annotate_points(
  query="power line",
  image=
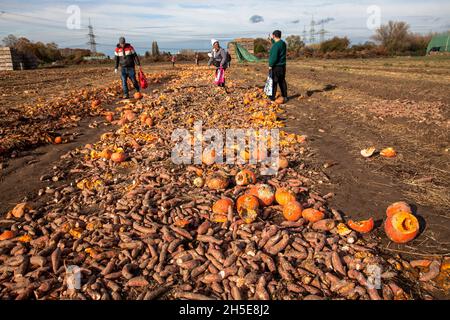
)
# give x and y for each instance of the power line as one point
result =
(91, 36)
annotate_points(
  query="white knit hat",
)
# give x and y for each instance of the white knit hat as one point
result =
(213, 41)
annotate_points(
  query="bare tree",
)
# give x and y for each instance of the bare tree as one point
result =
(393, 36)
(294, 43)
(10, 41)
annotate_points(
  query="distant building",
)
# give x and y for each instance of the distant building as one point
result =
(11, 59)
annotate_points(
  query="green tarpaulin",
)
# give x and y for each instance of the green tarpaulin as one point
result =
(243, 55)
(439, 43)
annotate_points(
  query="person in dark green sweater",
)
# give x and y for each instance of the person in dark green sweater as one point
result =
(277, 65)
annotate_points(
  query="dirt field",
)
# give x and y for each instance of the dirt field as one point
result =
(342, 106)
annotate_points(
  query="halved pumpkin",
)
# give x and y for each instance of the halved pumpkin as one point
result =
(401, 227)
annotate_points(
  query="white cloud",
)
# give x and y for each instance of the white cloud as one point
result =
(174, 21)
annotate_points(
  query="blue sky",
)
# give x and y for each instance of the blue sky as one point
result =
(191, 23)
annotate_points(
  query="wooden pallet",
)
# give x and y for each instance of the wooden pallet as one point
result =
(247, 43)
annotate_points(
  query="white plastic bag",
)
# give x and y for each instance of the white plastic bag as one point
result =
(268, 89)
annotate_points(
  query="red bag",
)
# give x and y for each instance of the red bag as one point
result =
(142, 80)
(220, 77)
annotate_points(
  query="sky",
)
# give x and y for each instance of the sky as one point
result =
(190, 24)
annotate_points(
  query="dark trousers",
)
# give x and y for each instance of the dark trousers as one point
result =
(129, 73)
(279, 79)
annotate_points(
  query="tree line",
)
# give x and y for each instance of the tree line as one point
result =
(393, 38)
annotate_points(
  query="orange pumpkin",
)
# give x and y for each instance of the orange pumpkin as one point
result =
(284, 196)
(118, 157)
(149, 121)
(248, 207)
(401, 227)
(129, 115)
(95, 103)
(109, 116)
(58, 140)
(283, 163)
(312, 215)
(138, 95)
(264, 193)
(106, 154)
(217, 182)
(209, 156)
(222, 206)
(388, 153)
(220, 210)
(6, 235)
(143, 117)
(364, 226)
(399, 206)
(292, 211)
(245, 177)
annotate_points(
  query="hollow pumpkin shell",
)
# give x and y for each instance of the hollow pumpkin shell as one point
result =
(401, 227)
(364, 226)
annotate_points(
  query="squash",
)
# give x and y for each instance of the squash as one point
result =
(106, 154)
(283, 163)
(396, 207)
(245, 177)
(312, 215)
(118, 157)
(388, 153)
(217, 182)
(292, 211)
(284, 196)
(222, 206)
(401, 227)
(264, 193)
(95, 103)
(248, 208)
(109, 116)
(58, 140)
